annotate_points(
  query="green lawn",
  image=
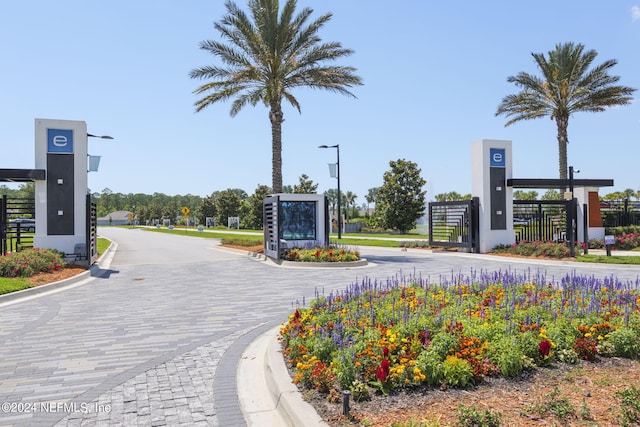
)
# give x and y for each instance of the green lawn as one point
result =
(350, 239)
(12, 285)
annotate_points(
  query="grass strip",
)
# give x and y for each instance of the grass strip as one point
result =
(603, 259)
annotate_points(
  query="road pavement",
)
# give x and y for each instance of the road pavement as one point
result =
(155, 336)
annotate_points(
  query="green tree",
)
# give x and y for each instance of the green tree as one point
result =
(525, 195)
(372, 196)
(208, 208)
(26, 191)
(227, 204)
(266, 56)
(551, 195)
(349, 200)
(567, 86)
(252, 216)
(305, 186)
(451, 196)
(401, 199)
(332, 199)
(629, 193)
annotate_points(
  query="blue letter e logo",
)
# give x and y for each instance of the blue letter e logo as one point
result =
(60, 141)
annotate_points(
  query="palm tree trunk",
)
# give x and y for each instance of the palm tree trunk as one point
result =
(562, 124)
(275, 116)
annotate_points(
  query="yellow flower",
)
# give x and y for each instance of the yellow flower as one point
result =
(543, 333)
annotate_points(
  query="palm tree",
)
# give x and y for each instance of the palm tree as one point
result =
(566, 86)
(372, 196)
(268, 56)
(332, 199)
(349, 199)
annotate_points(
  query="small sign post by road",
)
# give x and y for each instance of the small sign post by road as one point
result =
(608, 242)
(185, 215)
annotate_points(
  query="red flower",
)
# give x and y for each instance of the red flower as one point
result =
(385, 352)
(383, 370)
(544, 348)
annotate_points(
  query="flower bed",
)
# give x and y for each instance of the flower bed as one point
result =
(408, 332)
(331, 253)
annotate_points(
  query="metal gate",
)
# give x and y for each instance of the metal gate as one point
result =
(271, 236)
(17, 223)
(543, 220)
(92, 235)
(455, 224)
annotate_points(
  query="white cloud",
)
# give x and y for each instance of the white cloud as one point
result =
(635, 13)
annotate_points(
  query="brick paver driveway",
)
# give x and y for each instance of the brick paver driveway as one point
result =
(155, 340)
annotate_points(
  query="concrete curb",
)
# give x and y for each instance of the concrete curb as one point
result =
(293, 264)
(266, 393)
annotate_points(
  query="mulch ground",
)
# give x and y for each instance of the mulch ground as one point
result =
(588, 387)
(55, 276)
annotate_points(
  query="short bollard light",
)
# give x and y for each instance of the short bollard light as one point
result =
(345, 402)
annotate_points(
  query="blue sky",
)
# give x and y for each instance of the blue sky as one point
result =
(434, 74)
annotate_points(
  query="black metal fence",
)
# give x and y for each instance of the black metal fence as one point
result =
(17, 223)
(454, 224)
(541, 220)
(620, 213)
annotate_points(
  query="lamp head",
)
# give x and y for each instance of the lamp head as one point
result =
(99, 136)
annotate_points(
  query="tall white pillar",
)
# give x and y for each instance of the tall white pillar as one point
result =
(61, 150)
(491, 167)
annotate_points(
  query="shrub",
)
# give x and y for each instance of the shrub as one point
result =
(596, 243)
(471, 416)
(457, 372)
(629, 406)
(414, 244)
(28, 262)
(360, 391)
(507, 356)
(626, 229)
(242, 241)
(626, 342)
(537, 249)
(627, 241)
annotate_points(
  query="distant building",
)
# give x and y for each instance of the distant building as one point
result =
(115, 218)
